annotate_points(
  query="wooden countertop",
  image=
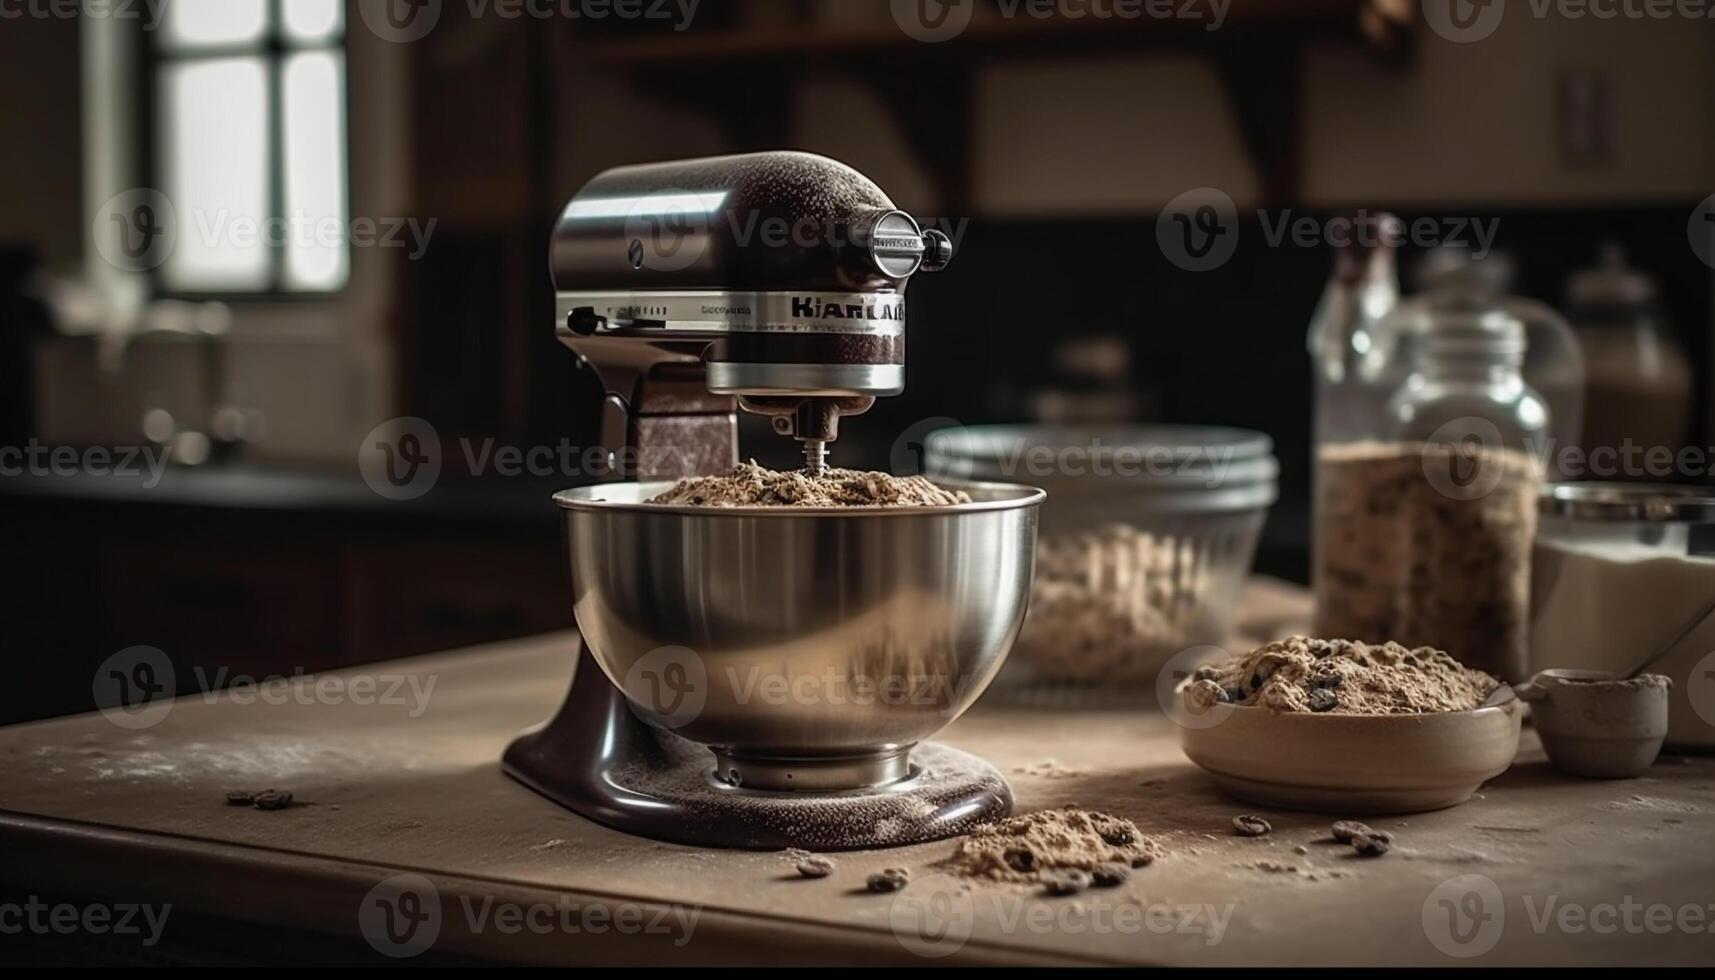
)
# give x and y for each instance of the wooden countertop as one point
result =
(1538, 869)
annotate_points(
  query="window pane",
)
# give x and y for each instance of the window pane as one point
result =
(214, 157)
(313, 87)
(313, 20)
(198, 23)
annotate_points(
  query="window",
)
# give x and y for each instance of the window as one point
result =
(250, 145)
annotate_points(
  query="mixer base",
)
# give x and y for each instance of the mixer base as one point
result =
(597, 759)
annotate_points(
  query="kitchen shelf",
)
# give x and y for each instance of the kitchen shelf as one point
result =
(1258, 54)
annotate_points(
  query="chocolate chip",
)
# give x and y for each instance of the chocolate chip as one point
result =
(1370, 847)
(1347, 831)
(1236, 694)
(1327, 680)
(1142, 860)
(1021, 859)
(1118, 836)
(1251, 826)
(1109, 875)
(1323, 699)
(815, 866)
(888, 880)
(240, 797)
(1069, 882)
(272, 799)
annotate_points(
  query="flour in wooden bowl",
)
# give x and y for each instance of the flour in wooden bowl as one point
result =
(1300, 674)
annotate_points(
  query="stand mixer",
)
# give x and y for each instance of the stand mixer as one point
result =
(764, 675)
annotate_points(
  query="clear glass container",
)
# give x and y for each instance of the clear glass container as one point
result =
(1623, 581)
(1459, 288)
(1145, 542)
(1424, 528)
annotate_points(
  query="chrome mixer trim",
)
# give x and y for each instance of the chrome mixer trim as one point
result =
(831, 380)
(717, 312)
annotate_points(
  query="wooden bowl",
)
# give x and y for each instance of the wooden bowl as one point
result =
(1339, 763)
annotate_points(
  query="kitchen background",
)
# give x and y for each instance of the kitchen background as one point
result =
(443, 138)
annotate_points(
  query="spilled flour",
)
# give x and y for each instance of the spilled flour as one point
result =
(1300, 674)
(750, 485)
(1024, 849)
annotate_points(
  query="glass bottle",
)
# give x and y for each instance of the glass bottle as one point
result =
(1425, 528)
(1638, 391)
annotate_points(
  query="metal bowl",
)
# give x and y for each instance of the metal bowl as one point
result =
(810, 648)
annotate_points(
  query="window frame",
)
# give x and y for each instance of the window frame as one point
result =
(273, 49)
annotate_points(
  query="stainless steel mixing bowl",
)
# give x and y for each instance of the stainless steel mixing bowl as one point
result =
(809, 648)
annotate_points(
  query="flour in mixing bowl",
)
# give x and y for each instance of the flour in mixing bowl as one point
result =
(750, 485)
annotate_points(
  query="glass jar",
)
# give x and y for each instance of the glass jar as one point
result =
(1624, 581)
(1638, 391)
(1424, 529)
(1145, 541)
(1459, 287)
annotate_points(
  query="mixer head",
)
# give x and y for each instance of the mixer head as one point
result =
(777, 279)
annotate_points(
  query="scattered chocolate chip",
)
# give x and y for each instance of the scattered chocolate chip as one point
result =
(1347, 831)
(1370, 847)
(1021, 859)
(815, 866)
(1142, 860)
(1327, 680)
(1065, 882)
(1323, 699)
(1301, 849)
(272, 799)
(888, 880)
(1251, 826)
(1236, 694)
(240, 797)
(1118, 836)
(1109, 875)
